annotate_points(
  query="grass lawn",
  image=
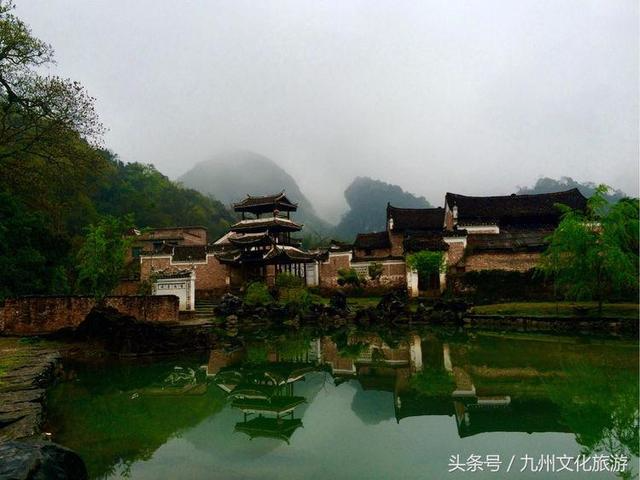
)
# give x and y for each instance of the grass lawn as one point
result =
(564, 309)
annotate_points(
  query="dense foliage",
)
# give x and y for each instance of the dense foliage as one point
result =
(101, 259)
(367, 200)
(257, 294)
(54, 178)
(427, 264)
(594, 254)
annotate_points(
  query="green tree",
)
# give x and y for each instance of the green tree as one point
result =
(427, 264)
(101, 259)
(30, 255)
(593, 254)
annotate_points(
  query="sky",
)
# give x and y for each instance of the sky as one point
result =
(472, 97)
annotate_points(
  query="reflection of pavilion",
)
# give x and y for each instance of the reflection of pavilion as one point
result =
(264, 393)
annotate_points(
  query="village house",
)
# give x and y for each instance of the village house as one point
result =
(474, 233)
(504, 232)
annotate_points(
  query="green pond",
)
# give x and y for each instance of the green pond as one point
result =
(359, 405)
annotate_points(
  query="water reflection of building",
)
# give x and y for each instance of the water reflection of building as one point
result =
(263, 392)
(424, 375)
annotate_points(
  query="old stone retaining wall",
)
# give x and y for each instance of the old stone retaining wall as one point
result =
(46, 314)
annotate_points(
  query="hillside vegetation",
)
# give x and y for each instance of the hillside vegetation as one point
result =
(367, 199)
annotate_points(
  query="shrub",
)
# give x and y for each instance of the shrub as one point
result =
(257, 294)
(375, 271)
(349, 277)
(288, 280)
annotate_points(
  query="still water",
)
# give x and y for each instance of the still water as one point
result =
(361, 405)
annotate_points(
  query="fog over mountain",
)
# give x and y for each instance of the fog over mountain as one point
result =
(232, 175)
(435, 96)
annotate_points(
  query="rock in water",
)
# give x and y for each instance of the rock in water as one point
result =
(40, 461)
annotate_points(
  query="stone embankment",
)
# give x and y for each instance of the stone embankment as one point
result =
(559, 324)
(23, 393)
(24, 452)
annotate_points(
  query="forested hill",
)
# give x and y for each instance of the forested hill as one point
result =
(231, 176)
(156, 201)
(44, 214)
(367, 199)
(551, 185)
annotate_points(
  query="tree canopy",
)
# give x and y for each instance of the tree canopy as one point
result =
(56, 180)
(594, 254)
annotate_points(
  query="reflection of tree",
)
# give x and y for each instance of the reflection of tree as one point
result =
(600, 405)
(433, 382)
(119, 414)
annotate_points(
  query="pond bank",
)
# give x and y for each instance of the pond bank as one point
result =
(613, 326)
(26, 374)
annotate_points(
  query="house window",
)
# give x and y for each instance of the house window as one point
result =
(136, 251)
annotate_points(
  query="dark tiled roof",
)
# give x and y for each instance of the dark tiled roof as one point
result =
(372, 240)
(173, 273)
(425, 241)
(186, 253)
(514, 209)
(282, 254)
(375, 259)
(338, 246)
(265, 223)
(416, 219)
(279, 200)
(248, 239)
(514, 240)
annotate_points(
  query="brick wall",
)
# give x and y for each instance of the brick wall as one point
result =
(42, 315)
(397, 247)
(372, 253)
(455, 253)
(393, 274)
(211, 276)
(514, 262)
(449, 222)
(329, 269)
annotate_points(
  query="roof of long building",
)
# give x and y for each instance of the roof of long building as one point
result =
(510, 240)
(416, 219)
(372, 240)
(538, 208)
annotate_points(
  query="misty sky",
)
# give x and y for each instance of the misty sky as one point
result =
(473, 97)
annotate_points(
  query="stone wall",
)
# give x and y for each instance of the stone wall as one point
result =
(511, 262)
(48, 314)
